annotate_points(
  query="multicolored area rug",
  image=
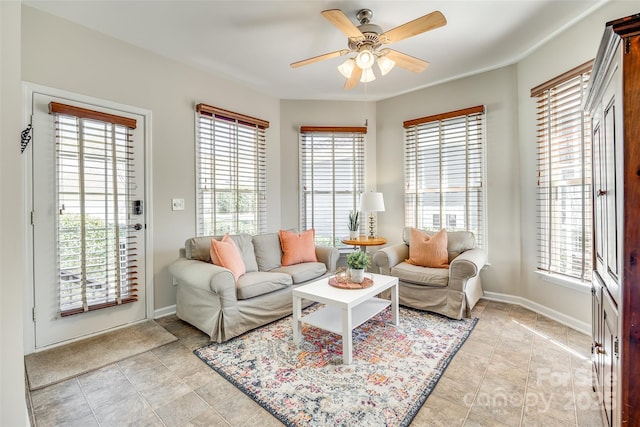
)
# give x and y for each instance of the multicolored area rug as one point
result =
(393, 372)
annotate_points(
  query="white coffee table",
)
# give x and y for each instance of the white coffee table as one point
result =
(345, 309)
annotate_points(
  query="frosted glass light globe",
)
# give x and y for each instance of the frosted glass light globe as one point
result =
(365, 59)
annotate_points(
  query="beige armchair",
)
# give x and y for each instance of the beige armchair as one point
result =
(452, 291)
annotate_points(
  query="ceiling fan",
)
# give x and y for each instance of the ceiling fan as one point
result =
(366, 39)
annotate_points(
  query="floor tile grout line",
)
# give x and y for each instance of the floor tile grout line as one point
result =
(526, 381)
(573, 387)
(86, 398)
(200, 397)
(484, 374)
(190, 388)
(138, 390)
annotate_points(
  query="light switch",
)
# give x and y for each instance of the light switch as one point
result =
(177, 204)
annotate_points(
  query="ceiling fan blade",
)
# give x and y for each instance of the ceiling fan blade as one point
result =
(420, 25)
(320, 58)
(343, 23)
(408, 62)
(354, 79)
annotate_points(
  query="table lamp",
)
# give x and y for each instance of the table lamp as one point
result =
(371, 202)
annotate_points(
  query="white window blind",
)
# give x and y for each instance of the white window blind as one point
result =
(445, 172)
(97, 258)
(564, 176)
(231, 172)
(331, 179)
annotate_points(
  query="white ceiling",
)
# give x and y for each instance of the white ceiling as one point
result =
(253, 42)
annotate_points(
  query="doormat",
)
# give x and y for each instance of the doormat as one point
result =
(61, 363)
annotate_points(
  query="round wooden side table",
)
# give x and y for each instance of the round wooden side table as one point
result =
(364, 241)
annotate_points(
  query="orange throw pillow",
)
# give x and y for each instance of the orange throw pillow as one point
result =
(428, 251)
(297, 248)
(226, 254)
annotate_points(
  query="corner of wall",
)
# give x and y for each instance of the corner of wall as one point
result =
(12, 271)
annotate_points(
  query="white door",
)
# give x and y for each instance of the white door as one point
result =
(88, 219)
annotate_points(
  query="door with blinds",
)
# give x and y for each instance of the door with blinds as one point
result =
(88, 219)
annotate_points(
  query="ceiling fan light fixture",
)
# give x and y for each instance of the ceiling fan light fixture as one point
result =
(346, 68)
(385, 65)
(365, 59)
(365, 41)
(367, 75)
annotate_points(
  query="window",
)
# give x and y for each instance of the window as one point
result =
(97, 256)
(231, 172)
(564, 176)
(331, 179)
(444, 172)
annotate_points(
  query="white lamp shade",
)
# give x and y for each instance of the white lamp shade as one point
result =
(365, 59)
(367, 76)
(371, 202)
(346, 68)
(385, 64)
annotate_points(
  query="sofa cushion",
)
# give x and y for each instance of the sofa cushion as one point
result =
(260, 282)
(421, 275)
(198, 248)
(244, 242)
(304, 271)
(225, 253)
(428, 251)
(460, 241)
(297, 248)
(267, 251)
(457, 241)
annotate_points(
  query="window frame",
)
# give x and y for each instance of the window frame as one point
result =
(552, 99)
(239, 133)
(354, 135)
(417, 132)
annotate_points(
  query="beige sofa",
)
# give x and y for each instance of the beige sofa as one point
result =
(210, 299)
(451, 292)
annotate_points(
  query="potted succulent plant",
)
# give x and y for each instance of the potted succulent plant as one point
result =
(357, 261)
(354, 224)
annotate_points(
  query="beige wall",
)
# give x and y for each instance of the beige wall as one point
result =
(319, 113)
(66, 56)
(12, 267)
(496, 91)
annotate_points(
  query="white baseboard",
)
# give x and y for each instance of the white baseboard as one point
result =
(569, 321)
(164, 311)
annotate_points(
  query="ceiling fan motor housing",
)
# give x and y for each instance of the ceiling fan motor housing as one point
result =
(370, 31)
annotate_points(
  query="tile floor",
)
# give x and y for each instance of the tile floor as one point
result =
(516, 369)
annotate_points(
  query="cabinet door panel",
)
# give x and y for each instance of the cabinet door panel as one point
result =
(610, 360)
(599, 211)
(611, 192)
(596, 332)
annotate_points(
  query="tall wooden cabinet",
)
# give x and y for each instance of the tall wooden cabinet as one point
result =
(613, 99)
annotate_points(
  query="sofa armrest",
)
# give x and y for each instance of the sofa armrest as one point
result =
(465, 266)
(329, 256)
(387, 258)
(204, 276)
